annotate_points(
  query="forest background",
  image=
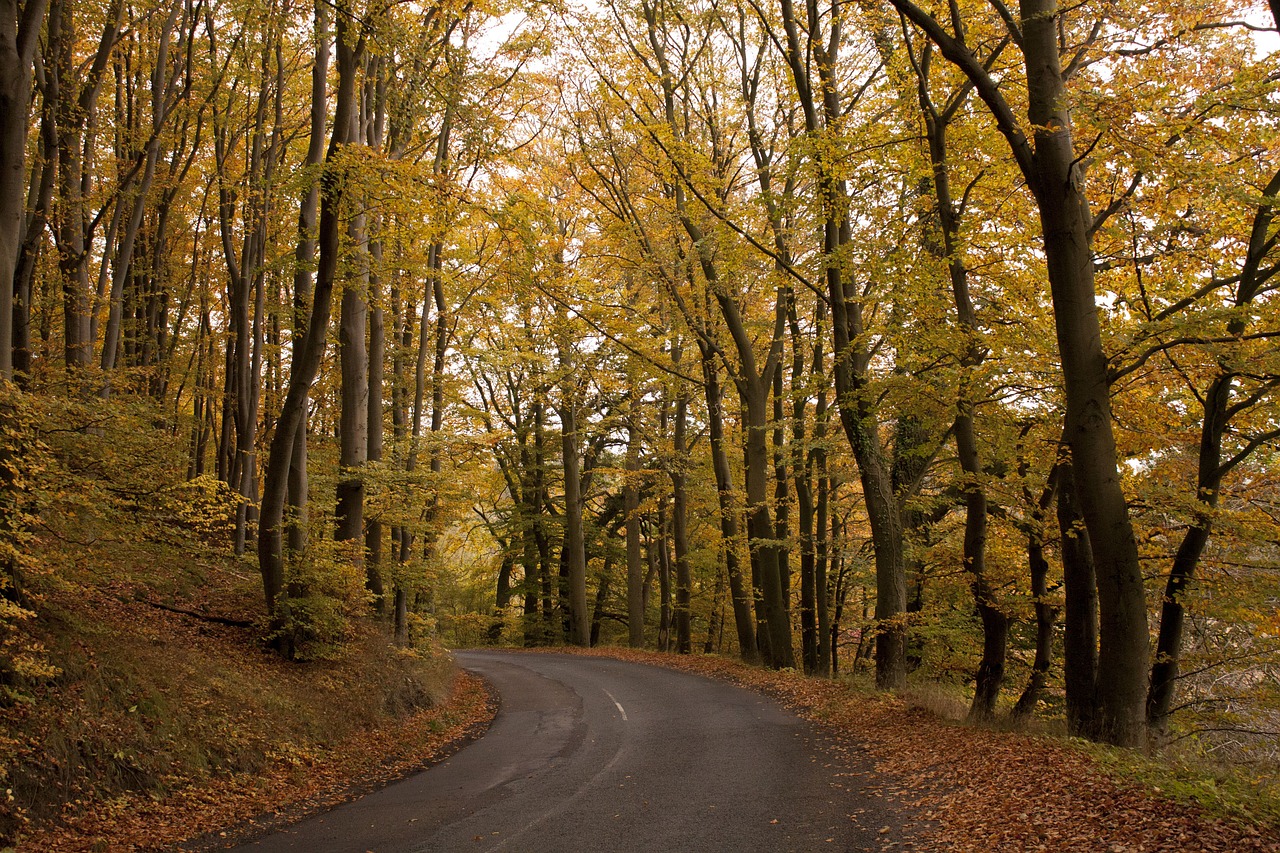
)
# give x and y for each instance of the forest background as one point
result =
(936, 342)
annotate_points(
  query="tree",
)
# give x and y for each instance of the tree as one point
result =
(20, 24)
(1055, 175)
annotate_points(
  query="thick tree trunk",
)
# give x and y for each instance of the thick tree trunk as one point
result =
(761, 533)
(1058, 179)
(1055, 175)
(1080, 639)
(33, 241)
(20, 25)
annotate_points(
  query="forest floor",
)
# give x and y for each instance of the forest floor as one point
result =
(164, 716)
(978, 789)
(139, 703)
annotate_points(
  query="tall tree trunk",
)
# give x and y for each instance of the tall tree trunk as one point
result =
(1055, 175)
(1210, 470)
(303, 371)
(75, 93)
(1058, 180)
(659, 541)
(823, 113)
(1046, 612)
(781, 479)
(353, 428)
(1080, 639)
(680, 521)
(373, 528)
(752, 378)
(20, 25)
(575, 560)
(122, 264)
(822, 560)
(376, 94)
(743, 619)
(631, 510)
(297, 484)
(602, 595)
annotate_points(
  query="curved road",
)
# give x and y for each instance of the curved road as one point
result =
(594, 754)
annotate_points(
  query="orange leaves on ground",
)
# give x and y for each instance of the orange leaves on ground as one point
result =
(982, 790)
(242, 805)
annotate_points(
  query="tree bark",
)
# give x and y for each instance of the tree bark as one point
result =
(635, 565)
(1056, 177)
(1080, 639)
(743, 619)
(20, 25)
(304, 370)
(576, 558)
(680, 521)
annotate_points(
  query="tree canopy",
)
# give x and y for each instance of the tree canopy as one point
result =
(933, 339)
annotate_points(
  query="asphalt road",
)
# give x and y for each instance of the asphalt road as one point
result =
(593, 754)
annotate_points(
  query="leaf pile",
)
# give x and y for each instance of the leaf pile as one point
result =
(983, 790)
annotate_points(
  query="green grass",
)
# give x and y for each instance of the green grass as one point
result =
(1222, 789)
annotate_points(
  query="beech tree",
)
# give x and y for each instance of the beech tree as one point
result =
(20, 24)
(606, 278)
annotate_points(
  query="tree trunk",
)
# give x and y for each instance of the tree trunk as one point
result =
(20, 25)
(823, 113)
(576, 559)
(1064, 215)
(1080, 639)
(635, 566)
(353, 424)
(1056, 177)
(304, 370)
(743, 619)
(1046, 613)
(659, 542)
(304, 257)
(373, 527)
(680, 524)
(1218, 411)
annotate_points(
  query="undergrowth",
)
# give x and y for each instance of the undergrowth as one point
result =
(144, 668)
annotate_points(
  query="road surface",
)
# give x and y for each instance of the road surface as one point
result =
(594, 754)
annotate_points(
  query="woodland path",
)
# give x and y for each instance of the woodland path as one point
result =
(592, 754)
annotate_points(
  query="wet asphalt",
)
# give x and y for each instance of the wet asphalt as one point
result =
(594, 754)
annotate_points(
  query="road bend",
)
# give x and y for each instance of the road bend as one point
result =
(593, 754)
